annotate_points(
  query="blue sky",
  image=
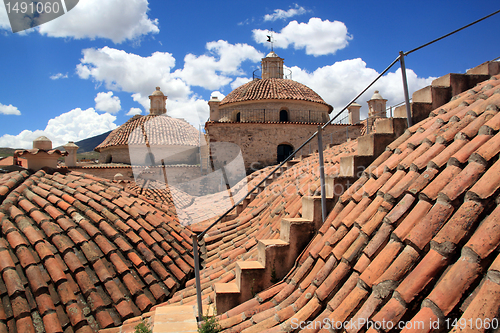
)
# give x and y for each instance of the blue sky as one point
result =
(91, 69)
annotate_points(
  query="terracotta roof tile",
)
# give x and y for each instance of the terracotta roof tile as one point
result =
(272, 89)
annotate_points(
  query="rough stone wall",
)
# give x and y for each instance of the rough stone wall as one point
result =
(268, 111)
(259, 142)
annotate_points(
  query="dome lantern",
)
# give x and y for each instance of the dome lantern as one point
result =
(158, 102)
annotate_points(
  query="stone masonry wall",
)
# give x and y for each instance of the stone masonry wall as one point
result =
(259, 142)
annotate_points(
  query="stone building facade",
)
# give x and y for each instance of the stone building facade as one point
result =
(270, 117)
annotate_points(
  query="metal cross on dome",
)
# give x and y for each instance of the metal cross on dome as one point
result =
(270, 38)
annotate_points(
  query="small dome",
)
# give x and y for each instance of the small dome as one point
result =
(70, 144)
(376, 95)
(157, 92)
(42, 143)
(159, 130)
(272, 54)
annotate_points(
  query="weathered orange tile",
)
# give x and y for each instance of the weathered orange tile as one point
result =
(400, 266)
(380, 263)
(408, 160)
(432, 190)
(487, 236)
(412, 219)
(463, 220)
(425, 229)
(400, 209)
(488, 183)
(348, 305)
(420, 276)
(403, 184)
(457, 280)
(489, 148)
(390, 314)
(378, 241)
(422, 160)
(332, 281)
(442, 158)
(396, 177)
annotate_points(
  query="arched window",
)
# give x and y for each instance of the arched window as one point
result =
(150, 159)
(283, 116)
(238, 117)
(284, 150)
(109, 158)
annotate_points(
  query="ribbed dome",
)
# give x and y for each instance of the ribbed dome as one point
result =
(157, 130)
(273, 89)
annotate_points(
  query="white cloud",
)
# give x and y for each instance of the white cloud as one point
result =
(122, 71)
(218, 94)
(239, 81)
(107, 102)
(111, 19)
(317, 37)
(280, 14)
(74, 125)
(9, 109)
(212, 70)
(129, 72)
(134, 111)
(339, 83)
(4, 19)
(59, 76)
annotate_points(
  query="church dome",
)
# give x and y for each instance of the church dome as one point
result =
(273, 88)
(157, 130)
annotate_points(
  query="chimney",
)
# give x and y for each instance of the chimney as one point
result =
(70, 159)
(353, 110)
(213, 104)
(377, 106)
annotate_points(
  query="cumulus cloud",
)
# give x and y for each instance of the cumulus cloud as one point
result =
(107, 102)
(317, 37)
(122, 71)
(111, 19)
(74, 125)
(4, 19)
(217, 94)
(129, 72)
(134, 111)
(239, 81)
(339, 83)
(59, 76)
(280, 14)
(9, 110)
(212, 70)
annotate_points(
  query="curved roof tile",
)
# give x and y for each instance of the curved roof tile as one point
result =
(263, 89)
(81, 253)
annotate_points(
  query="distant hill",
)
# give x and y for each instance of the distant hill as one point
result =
(4, 152)
(89, 144)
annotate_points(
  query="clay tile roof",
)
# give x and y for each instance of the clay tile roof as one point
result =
(152, 130)
(35, 151)
(273, 88)
(415, 238)
(84, 253)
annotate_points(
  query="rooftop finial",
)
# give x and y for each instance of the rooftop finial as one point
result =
(270, 38)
